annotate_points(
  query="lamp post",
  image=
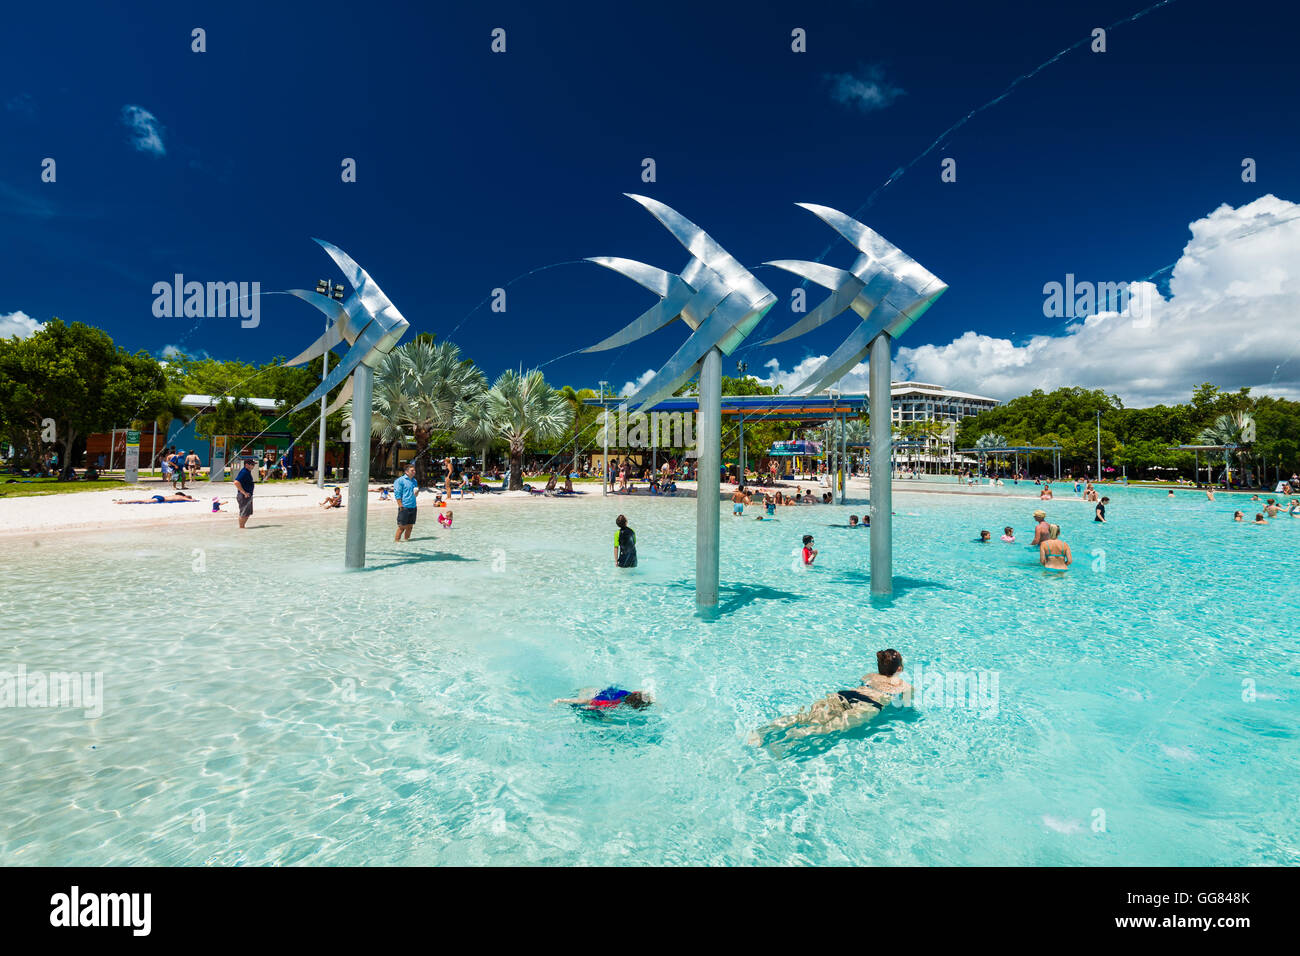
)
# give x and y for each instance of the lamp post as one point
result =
(324, 288)
(1099, 444)
(604, 430)
(742, 368)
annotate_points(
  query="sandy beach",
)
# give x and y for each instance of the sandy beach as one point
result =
(98, 510)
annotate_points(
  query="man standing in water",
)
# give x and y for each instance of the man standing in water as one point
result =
(1041, 528)
(404, 490)
(244, 492)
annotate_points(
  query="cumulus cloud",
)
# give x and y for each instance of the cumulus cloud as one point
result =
(18, 323)
(1229, 319)
(146, 132)
(631, 388)
(865, 90)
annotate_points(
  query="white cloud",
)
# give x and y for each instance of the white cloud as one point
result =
(631, 388)
(145, 129)
(177, 351)
(1230, 320)
(18, 323)
(866, 90)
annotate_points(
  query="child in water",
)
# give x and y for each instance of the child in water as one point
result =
(608, 699)
(624, 544)
(809, 553)
(985, 537)
(1009, 535)
(445, 519)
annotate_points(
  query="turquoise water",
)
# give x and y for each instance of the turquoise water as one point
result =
(258, 711)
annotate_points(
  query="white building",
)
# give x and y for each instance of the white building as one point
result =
(921, 402)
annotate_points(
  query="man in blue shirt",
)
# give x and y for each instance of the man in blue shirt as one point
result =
(244, 492)
(404, 490)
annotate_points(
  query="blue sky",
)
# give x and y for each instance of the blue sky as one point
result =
(474, 168)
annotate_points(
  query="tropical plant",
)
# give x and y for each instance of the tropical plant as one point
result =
(420, 386)
(1234, 428)
(526, 409)
(475, 425)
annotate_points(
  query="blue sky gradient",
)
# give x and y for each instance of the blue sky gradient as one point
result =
(475, 168)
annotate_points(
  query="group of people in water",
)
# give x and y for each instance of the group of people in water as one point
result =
(1053, 553)
(1271, 509)
(742, 497)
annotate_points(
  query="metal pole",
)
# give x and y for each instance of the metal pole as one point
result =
(742, 448)
(708, 484)
(604, 465)
(320, 448)
(882, 497)
(1098, 446)
(359, 466)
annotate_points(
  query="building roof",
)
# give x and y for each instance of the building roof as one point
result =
(207, 401)
(937, 391)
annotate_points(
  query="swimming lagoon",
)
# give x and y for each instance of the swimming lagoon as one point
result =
(1139, 710)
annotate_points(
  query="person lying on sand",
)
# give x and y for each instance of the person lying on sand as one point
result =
(158, 499)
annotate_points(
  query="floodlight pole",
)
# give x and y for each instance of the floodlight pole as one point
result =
(604, 428)
(1099, 445)
(359, 466)
(844, 459)
(708, 483)
(324, 400)
(882, 492)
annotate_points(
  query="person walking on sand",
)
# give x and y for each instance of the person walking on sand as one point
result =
(244, 492)
(405, 489)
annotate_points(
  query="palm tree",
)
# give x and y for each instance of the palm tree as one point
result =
(419, 386)
(475, 425)
(584, 415)
(1234, 428)
(990, 440)
(526, 409)
(388, 403)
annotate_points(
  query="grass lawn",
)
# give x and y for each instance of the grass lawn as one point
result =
(27, 487)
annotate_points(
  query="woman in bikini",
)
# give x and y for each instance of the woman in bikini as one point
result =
(844, 709)
(1054, 554)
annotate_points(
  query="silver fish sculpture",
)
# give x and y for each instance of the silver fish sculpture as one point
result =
(888, 289)
(717, 297)
(367, 320)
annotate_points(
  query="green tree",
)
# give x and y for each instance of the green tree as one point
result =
(75, 378)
